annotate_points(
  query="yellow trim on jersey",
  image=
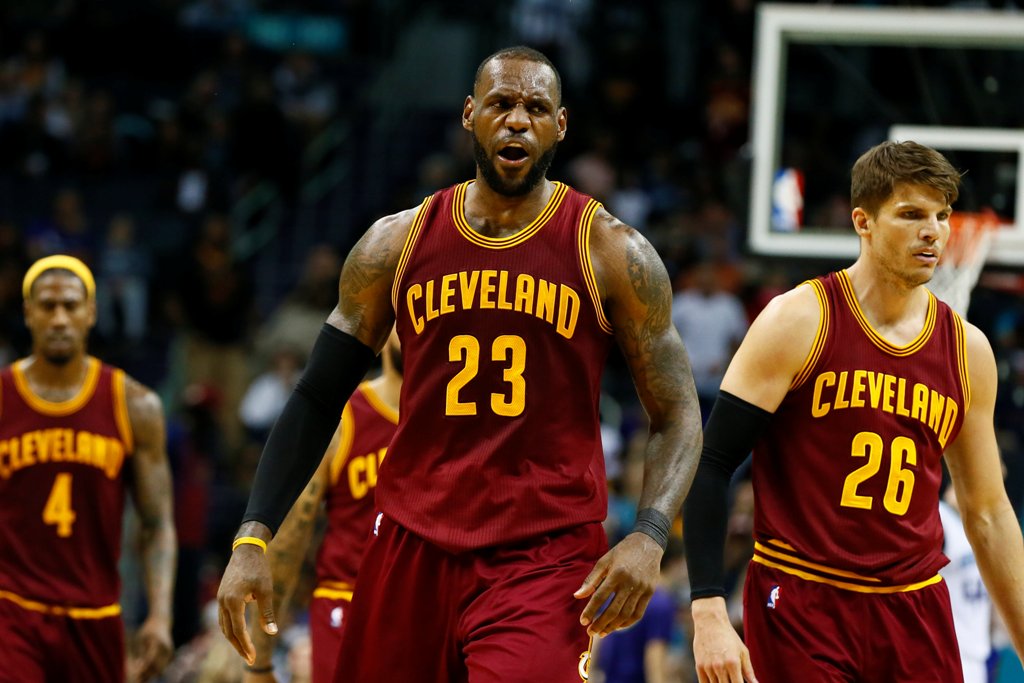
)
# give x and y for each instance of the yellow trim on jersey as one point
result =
(961, 359)
(906, 588)
(878, 340)
(124, 423)
(587, 265)
(820, 337)
(459, 217)
(61, 610)
(410, 242)
(332, 594)
(348, 431)
(378, 404)
(760, 548)
(58, 408)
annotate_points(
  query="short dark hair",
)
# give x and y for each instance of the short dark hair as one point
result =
(880, 169)
(524, 53)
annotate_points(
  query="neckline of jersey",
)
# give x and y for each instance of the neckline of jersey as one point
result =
(463, 226)
(877, 339)
(57, 408)
(378, 404)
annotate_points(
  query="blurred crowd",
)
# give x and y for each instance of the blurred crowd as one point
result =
(214, 160)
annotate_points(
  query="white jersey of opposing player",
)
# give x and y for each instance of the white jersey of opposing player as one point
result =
(972, 608)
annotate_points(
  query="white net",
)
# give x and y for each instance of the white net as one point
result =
(968, 246)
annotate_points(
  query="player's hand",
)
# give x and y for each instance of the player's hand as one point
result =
(628, 575)
(152, 649)
(246, 579)
(718, 652)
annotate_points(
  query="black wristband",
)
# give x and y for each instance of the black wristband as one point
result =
(301, 434)
(656, 525)
(259, 669)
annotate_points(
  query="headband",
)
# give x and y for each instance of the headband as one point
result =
(62, 262)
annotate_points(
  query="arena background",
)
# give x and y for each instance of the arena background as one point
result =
(214, 160)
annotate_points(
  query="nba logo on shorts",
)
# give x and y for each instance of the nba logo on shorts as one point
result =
(376, 523)
(773, 597)
(337, 614)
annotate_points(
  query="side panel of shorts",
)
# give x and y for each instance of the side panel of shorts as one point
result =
(804, 630)
(326, 623)
(39, 648)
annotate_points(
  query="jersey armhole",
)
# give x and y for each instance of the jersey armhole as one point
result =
(340, 456)
(587, 265)
(961, 359)
(121, 416)
(410, 243)
(819, 336)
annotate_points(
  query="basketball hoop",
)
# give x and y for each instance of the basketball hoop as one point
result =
(970, 238)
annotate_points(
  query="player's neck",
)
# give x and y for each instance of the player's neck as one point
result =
(496, 215)
(388, 387)
(896, 311)
(43, 374)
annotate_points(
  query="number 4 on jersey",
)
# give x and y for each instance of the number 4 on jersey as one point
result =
(58, 509)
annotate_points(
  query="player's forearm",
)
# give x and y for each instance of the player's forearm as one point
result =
(159, 559)
(999, 549)
(670, 462)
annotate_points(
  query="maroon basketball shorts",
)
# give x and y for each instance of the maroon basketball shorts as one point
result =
(327, 618)
(800, 630)
(492, 616)
(40, 647)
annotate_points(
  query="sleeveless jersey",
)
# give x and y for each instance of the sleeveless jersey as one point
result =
(367, 425)
(847, 475)
(62, 493)
(503, 344)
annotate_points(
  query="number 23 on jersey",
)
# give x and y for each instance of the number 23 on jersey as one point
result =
(509, 351)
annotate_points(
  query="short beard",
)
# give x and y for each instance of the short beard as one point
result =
(512, 189)
(59, 360)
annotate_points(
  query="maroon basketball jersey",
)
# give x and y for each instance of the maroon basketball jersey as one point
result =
(62, 491)
(503, 344)
(847, 475)
(367, 425)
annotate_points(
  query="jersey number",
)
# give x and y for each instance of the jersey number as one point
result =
(58, 506)
(901, 480)
(507, 348)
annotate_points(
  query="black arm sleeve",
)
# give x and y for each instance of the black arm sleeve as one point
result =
(301, 434)
(733, 428)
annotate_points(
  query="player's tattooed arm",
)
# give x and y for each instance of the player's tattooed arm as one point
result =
(364, 290)
(288, 550)
(151, 493)
(638, 302)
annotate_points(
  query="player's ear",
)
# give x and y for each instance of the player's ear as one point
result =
(562, 118)
(467, 113)
(860, 219)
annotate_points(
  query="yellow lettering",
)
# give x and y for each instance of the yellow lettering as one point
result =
(412, 294)
(818, 408)
(5, 460)
(948, 420)
(568, 312)
(487, 288)
(468, 288)
(935, 414)
(83, 446)
(29, 444)
(356, 480)
(60, 439)
(381, 455)
(875, 380)
(15, 454)
(888, 393)
(841, 400)
(856, 399)
(99, 450)
(371, 469)
(919, 409)
(546, 292)
(901, 398)
(524, 294)
(447, 292)
(429, 298)
(503, 302)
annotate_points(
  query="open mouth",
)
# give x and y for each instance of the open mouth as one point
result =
(513, 153)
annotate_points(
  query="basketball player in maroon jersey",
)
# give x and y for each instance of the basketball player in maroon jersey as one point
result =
(850, 389)
(487, 560)
(75, 434)
(346, 479)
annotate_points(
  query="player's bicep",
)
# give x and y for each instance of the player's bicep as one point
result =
(364, 289)
(151, 483)
(775, 349)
